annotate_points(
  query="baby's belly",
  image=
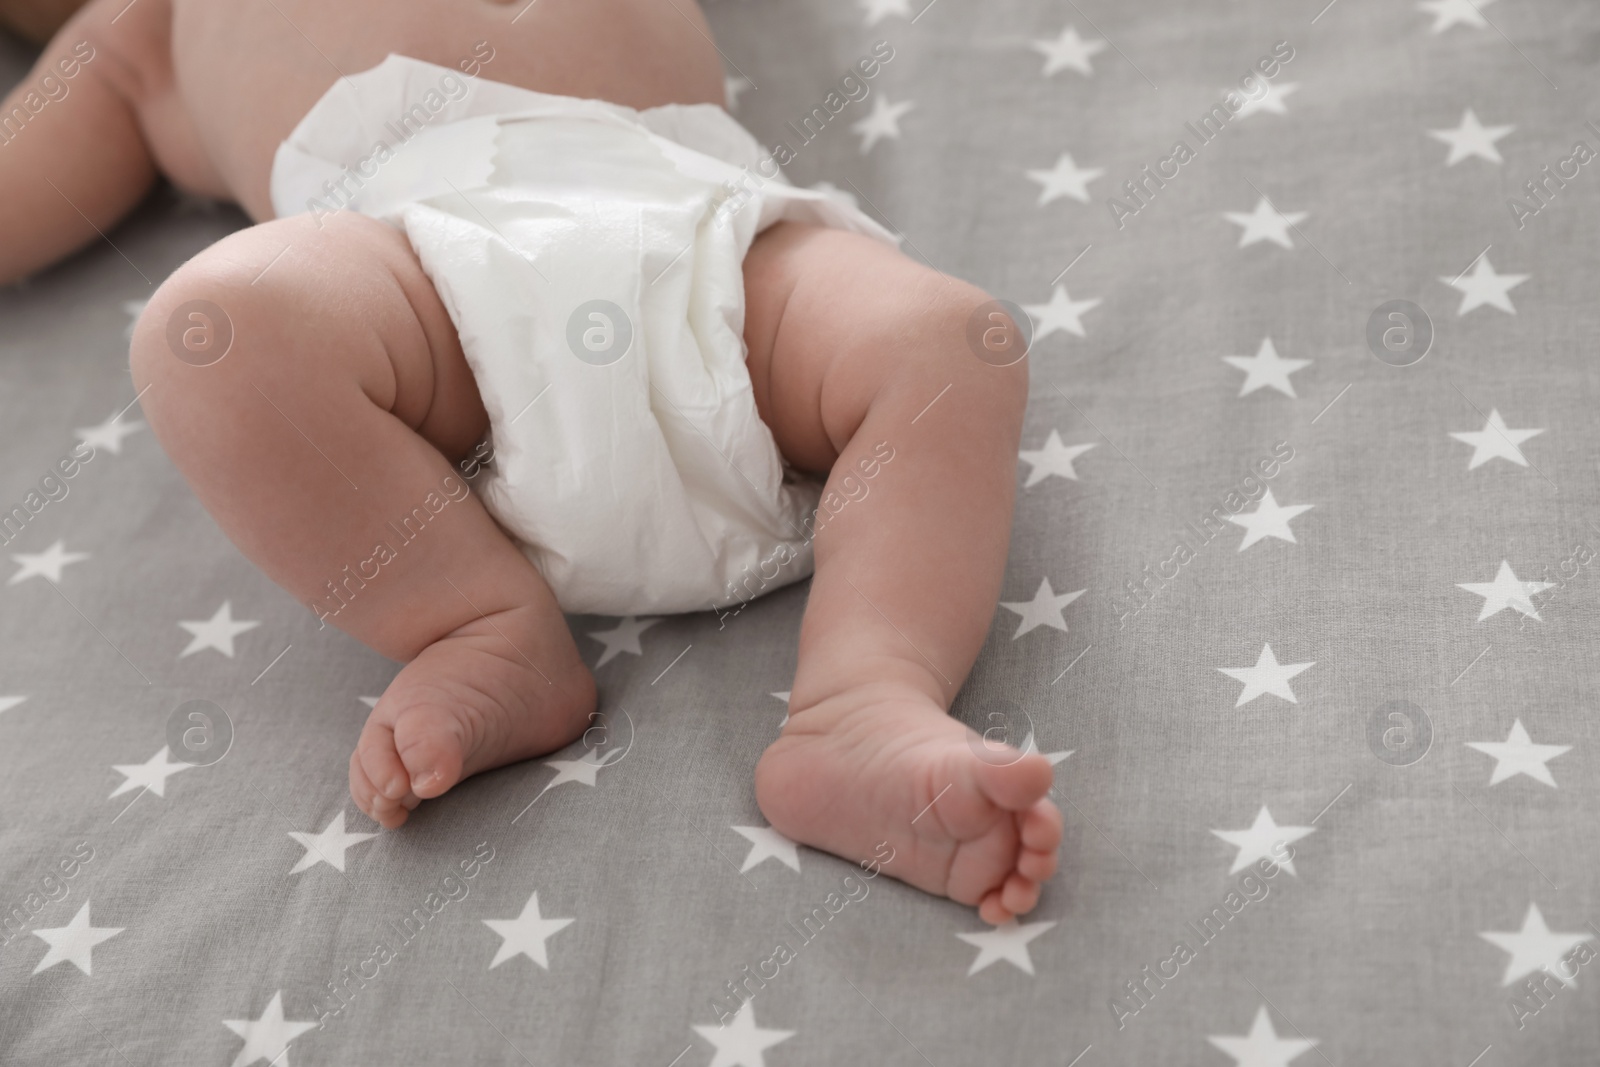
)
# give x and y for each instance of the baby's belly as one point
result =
(247, 71)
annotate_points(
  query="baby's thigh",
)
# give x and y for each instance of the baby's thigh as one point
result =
(838, 323)
(339, 309)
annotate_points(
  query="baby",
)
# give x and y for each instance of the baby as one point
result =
(461, 205)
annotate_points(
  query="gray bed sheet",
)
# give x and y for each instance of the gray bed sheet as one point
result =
(1377, 686)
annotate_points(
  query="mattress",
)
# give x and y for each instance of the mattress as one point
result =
(1301, 603)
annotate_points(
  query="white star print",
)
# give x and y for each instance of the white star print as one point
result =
(741, 1043)
(1008, 941)
(1262, 1047)
(1471, 138)
(1506, 591)
(151, 775)
(1535, 948)
(1261, 842)
(1043, 610)
(1266, 368)
(1447, 13)
(268, 1037)
(1066, 178)
(878, 10)
(624, 637)
(47, 564)
(1270, 101)
(1054, 458)
(1485, 286)
(216, 633)
(767, 844)
(7, 703)
(327, 847)
(1495, 441)
(1517, 754)
(1068, 52)
(884, 121)
(1061, 313)
(1267, 676)
(1269, 519)
(1029, 745)
(783, 696)
(73, 942)
(109, 434)
(525, 935)
(1265, 223)
(585, 770)
(733, 87)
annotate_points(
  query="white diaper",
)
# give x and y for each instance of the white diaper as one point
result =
(591, 258)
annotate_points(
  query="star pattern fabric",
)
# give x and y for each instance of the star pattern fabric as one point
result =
(1263, 840)
(526, 935)
(47, 564)
(74, 943)
(1485, 287)
(1268, 676)
(1517, 754)
(1066, 178)
(878, 10)
(1269, 519)
(151, 774)
(267, 1039)
(1052, 460)
(883, 122)
(216, 633)
(1262, 1047)
(1536, 947)
(1068, 52)
(1507, 591)
(974, 145)
(1266, 369)
(1448, 13)
(1266, 223)
(1007, 942)
(1471, 138)
(624, 637)
(1271, 99)
(1045, 609)
(109, 434)
(1495, 441)
(767, 844)
(741, 1043)
(1061, 313)
(328, 847)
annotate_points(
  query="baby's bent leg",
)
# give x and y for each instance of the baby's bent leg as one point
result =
(858, 354)
(322, 442)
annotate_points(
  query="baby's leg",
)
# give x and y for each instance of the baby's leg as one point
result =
(850, 344)
(328, 430)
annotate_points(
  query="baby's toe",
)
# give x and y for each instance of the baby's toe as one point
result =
(1019, 894)
(361, 790)
(1041, 827)
(431, 746)
(381, 762)
(1038, 866)
(374, 804)
(992, 910)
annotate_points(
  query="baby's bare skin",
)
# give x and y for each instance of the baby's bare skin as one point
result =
(848, 343)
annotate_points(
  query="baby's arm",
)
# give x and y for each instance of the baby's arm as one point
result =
(72, 159)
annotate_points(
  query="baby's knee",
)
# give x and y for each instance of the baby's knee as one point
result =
(964, 338)
(185, 326)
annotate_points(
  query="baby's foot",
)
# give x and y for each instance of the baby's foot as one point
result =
(469, 702)
(965, 820)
